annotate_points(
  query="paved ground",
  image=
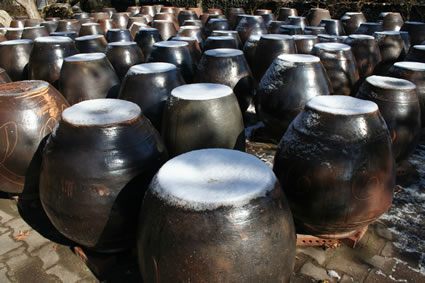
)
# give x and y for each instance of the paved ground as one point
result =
(392, 250)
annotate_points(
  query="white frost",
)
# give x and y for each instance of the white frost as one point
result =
(53, 39)
(333, 46)
(83, 57)
(148, 68)
(342, 105)
(390, 83)
(171, 44)
(223, 52)
(201, 91)
(299, 58)
(415, 66)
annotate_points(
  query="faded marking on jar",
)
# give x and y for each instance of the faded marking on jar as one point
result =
(365, 186)
(10, 132)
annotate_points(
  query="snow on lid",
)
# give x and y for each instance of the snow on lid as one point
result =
(88, 37)
(14, 29)
(117, 30)
(148, 29)
(224, 31)
(419, 46)
(390, 83)
(101, 112)
(303, 36)
(183, 38)
(220, 37)
(189, 27)
(16, 42)
(36, 27)
(148, 68)
(122, 43)
(342, 105)
(415, 66)
(201, 91)
(83, 57)
(361, 36)
(170, 43)
(223, 52)
(333, 46)
(299, 58)
(90, 24)
(353, 13)
(53, 39)
(276, 36)
(209, 178)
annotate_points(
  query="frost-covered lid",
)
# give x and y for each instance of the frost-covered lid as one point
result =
(223, 52)
(387, 32)
(189, 27)
(90, 24)
(342, 105)
(121, 43)
(419, 47)
(53, 39)
(100, 112)
(201, 91)
(83, 57)
(171, 44)
(333, 46)
(224, 32)
(15, 29)
(276, 36)
(299, 58)
(149, 68)
(35, 27)
(414, 66)
(361, 36)
(217, 37)
(390, 83)
(303, 37)
(88, 37)
(148, 29)
(16, 42)
(210, 178)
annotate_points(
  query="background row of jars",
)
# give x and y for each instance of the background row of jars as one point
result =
(283, 81)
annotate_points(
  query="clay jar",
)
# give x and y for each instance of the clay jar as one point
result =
(107, 24)
(290, 29)
(231, 33)
(146, 38)
(47, 57)
(185, 222)
(335, 166)
(194, 48)
(351, 21)
(96, 167)
(332, 27)
(366, 51)
(309, 30)
(90, 29)
(30, 110)
(297, 21)
(120, 19)
(4, 77)
(34, 32)
(193, 31)
(274, 26)
(268, 48)
(398, 102)
(391, 46)
(232, 14)
(305, 43)
(166, 29)
(14, 33)
(250, 25)
(315, 15)
(135, 28)
(289, 83)
(340, 66)
(68, 25)
(123, 55)
(149, 86)
(285, 12)
(391, 21)
(175, 52)
(117, 35)
(415, 73)
(87, 76)
(250, 48)
(91, 43)
(14, 58)
(186, 15)
(416, 54)
(214, 42)
(228, 67)
(369, 28)
(200, 116)
(416, 31)
(70, 34)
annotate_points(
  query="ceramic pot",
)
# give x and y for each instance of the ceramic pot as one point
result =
(87, 76)
(175, 52)
(268, 48)
(416, 54)
(148, 10)
(106, 24)
(166, 29)
(14, 33)
(68, 25)
(17, 23)
(315, 15)
(51, 26)
(391, 45)
(193, 31)
(30, 110)
(14, 58)
(146, 38)
(117, 35)
(120, 19)
(103, 137)
(188, 122)
(250, 25)
(134, 10)
(157, 81)
(369, 28)
(291, 81)
(366, 51)
(305, 43)
(231, 33)
(335, 166)
(203, 226)
(351, 21)
(324, 38)
(4, 77)
(333, 27)
(194, 48)
(268, 17)
(415, 73)
(309, 30)
(416, 31)
(340, 66)
(232, 13)
(135, 28)
(168, 17)
(399, 105)
(297, 21)
(274, 26)
(71, 34)
(391, 21)
(216, 24)
(47, 56)
(90, 29)
(123, 55)
(110, 11)
(32, 22)
(214, 42)
(290, 30)
(132, 20)
(79, 16)
(186, 15)
(228, 67)
(249, 49)
(285, 12)
(91, 43)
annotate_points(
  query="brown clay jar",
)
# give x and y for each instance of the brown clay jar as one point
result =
(14, 58)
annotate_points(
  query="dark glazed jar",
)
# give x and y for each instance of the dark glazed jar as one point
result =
(335, 166)
(309, 30)
(250, 25)
(166, 29)
(107, 24)
(194, 48)
(332, 27)
(416, 54)
(123, 55)
(87, 76)
(134, 28)
(146, 38)
(30, 111)
(34, 32)
(14, 58)
(340, 66)
(117, 35)
(399, 105)
(204, 115)
(51, 26)
(416, 31)
(175, 52)
(274, 26)
(91, 43)
(351, 21)
(285, 12)
(305, 43)
(96, 166)
(268, 48)
(315, 15)
(47, 57)
(4, 77)
(231, 33)
(288, 84)
(290, 29)
(90, 29)
(366, 51)
(193, 31)
(70, 34)
(120, 19)
(369, 28)
(415, 73)
(228, 67)
(149, 86)
(232, 213)
(297, 21)
(14, 33)
(392, 21)
(214, 42)
(249, 49)
(392, 48)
